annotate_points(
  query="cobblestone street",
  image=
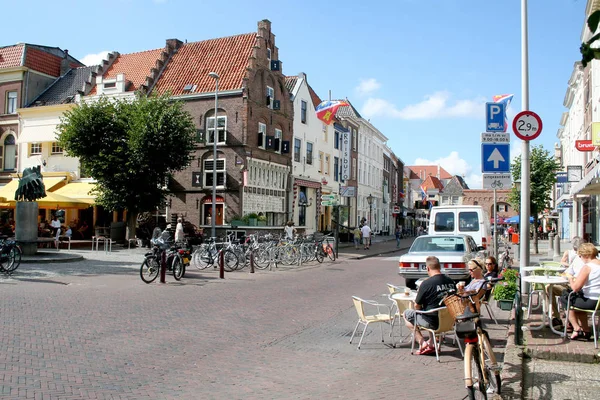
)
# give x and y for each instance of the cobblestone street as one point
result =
(93, 329)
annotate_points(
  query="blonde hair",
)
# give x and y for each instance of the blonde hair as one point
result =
(477, 263)
(587, 250)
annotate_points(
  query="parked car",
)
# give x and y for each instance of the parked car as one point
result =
(453, 251)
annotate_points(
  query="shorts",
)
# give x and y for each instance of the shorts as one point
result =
(422, 320)
(577, 300)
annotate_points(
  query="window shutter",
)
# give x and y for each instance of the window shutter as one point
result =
(274, 65)
(285, 146)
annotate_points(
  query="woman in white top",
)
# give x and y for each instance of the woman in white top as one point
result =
(289, 230)
(179, 230)
(586, 288)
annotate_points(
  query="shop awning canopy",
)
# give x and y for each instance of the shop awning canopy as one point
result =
(7, 192)
(56, 201)
(37, 134)
(79, 191)
(515, 220)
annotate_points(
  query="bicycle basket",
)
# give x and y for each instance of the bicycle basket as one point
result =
(456, 305)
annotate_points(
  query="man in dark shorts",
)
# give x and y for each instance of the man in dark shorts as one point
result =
(427, 299)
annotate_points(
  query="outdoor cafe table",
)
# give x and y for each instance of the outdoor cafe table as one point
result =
(549, 268)
(546, 303)
(401, 296)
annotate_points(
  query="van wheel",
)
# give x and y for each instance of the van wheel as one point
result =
(411, 283)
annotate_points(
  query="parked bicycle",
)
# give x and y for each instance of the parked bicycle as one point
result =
(208, 255)
(162, 246)
(504, 259)
(10, 256)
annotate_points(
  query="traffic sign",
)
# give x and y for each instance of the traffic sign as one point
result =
(495, 137)
(495, 157)
(327, 197)
(497, 181)
(527, 125)
(495, 117)
(348, 191)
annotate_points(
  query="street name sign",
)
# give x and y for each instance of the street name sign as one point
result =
(527, 125)
(348, 191)
(497, 181)
(495, 137)
(495, 117)
(495, 157)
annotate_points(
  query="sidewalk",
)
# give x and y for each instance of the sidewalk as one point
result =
(548, 366)
(379, 245)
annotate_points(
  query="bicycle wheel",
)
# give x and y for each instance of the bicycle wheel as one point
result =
(477, 389)
(490, 367)
(261, 259)
(202, 259)
(330, 252)
(319, 254)
(150, 269)
(14, 259)
(231, 261)
(177, 268)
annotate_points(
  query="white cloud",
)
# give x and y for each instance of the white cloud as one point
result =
(456, 166)
(436, 105)
(367, 86)
(95, 59)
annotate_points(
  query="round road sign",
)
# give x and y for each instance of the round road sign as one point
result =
(527, 125)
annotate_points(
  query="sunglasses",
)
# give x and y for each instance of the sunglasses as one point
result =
(489, 263)
(472, 269)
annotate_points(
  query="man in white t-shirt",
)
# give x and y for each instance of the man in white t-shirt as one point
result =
(55, 224)
(366, 234)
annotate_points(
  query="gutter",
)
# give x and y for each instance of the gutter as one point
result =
(210, 95)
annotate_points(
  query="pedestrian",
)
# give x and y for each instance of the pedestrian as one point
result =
(179, 230)
(398, 236)
(289, 230)
(356, 234)
(366, 235)
(55, 224)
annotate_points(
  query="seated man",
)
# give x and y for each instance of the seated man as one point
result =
(427, 299)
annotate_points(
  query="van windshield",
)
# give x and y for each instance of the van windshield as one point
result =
(468, 221)
(444, 222)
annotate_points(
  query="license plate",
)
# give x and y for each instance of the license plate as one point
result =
(423, 267)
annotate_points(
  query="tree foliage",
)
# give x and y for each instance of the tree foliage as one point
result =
(129, 147)
(543, 168)
(588, 53)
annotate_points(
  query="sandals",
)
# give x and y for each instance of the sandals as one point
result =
(425, 350)
(581, 335)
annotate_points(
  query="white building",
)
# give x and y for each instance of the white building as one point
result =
(371, 143)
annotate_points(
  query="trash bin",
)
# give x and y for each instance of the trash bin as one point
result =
(117, 231)
(515, 238)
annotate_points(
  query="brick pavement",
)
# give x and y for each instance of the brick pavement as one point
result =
(93, 330)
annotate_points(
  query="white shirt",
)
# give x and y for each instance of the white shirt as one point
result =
(289, 232)
(366, 231)
(575, 263)
(55, 223)
(591, 288)
(179, 232)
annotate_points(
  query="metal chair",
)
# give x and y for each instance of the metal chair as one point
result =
(446, 325)
(366, 319)
(593, 312)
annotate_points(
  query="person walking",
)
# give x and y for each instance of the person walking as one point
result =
(398, 236)
(356, 233)
(366, 235)
(179, 230)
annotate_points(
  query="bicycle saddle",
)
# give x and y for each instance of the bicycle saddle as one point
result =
(467, 314)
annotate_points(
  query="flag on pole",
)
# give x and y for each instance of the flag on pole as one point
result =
(327, 109)
(423, 195)
(506, 99)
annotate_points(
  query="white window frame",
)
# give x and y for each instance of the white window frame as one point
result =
(221, 131)
(271, 95)
(297, 150)
(221, 169)
(278, 135)
(35, 149)
(303, 111)
(11, 102)
(327, 159)
(262, 128)
(309, 160)
(56, 149)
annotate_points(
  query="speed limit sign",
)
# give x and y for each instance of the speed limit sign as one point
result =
(527, 125)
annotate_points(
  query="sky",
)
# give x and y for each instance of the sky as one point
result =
(419, 70)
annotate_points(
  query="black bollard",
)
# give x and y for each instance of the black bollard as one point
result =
(163, 267)
(251, 262)
(222, 265)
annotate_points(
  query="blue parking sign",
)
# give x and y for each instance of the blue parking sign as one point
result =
(495, 117)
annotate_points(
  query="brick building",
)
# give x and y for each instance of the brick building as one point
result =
(485, 198)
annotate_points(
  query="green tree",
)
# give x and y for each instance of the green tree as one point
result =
(543, 168)
(587, 52)
(130, 147)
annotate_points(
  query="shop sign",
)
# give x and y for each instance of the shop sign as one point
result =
(584, 145)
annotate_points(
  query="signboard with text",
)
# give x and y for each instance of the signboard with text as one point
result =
(345, 150)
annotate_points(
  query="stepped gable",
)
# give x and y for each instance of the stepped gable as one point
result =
(136, 67)
(456, 186)
(192, 62)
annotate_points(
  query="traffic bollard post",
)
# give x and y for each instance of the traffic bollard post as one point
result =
(163, 267)
(251, 262)
(222, 265)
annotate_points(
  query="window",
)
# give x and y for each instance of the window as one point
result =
(336, 169)
(56, 149)
(303, 111)
(321, 161)
(208, 172)
(326, 164)
(221, 130)
(354, 135)
(262, 135)
(297, 149)
(468, 221)
(8, 153)
(309, 155)
(336, 140)
(269, 54)
(270, 97)
(502, 207)
(278, 135)
(444, 222)
(11, 102)
(35, 148)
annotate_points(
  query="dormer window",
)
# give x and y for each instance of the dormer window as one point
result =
(110, 85)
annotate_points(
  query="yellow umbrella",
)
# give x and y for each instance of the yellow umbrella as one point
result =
(56, 201)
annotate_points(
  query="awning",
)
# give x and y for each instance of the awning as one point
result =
(51, 182)
(7, 192)
(56, 201)
(79, 191)
(589, 184)
(37, 134)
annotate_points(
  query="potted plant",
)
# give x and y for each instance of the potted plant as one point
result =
(261, 220)
(236, 220)
(251, 219)
(505, 291)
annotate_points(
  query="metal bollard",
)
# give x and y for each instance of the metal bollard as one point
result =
(251, 262)
(551, 240)
(557, 246)
(222, 265)
(163, 267)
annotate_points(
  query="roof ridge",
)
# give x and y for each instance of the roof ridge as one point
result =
(140, 52)
(224, 37)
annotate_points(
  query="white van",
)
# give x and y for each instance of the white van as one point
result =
(469, 220)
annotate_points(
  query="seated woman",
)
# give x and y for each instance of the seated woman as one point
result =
(476, 271)
(585, 290)
(491, 266)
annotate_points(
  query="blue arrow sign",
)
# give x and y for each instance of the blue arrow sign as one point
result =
(495, 117)
(495, 157)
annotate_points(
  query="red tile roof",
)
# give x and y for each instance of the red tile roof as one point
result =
(228, 57)
(135, 66)
(423, 171)
(431, 182)
(43, 62)
(10, 56)
(314, 96)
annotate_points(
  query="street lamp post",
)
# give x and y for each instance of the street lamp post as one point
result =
(213, 219)
(370, 201)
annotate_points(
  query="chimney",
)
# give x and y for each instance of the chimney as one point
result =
(64, 63)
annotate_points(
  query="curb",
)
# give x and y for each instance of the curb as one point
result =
(378, 254)
(513, 368)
